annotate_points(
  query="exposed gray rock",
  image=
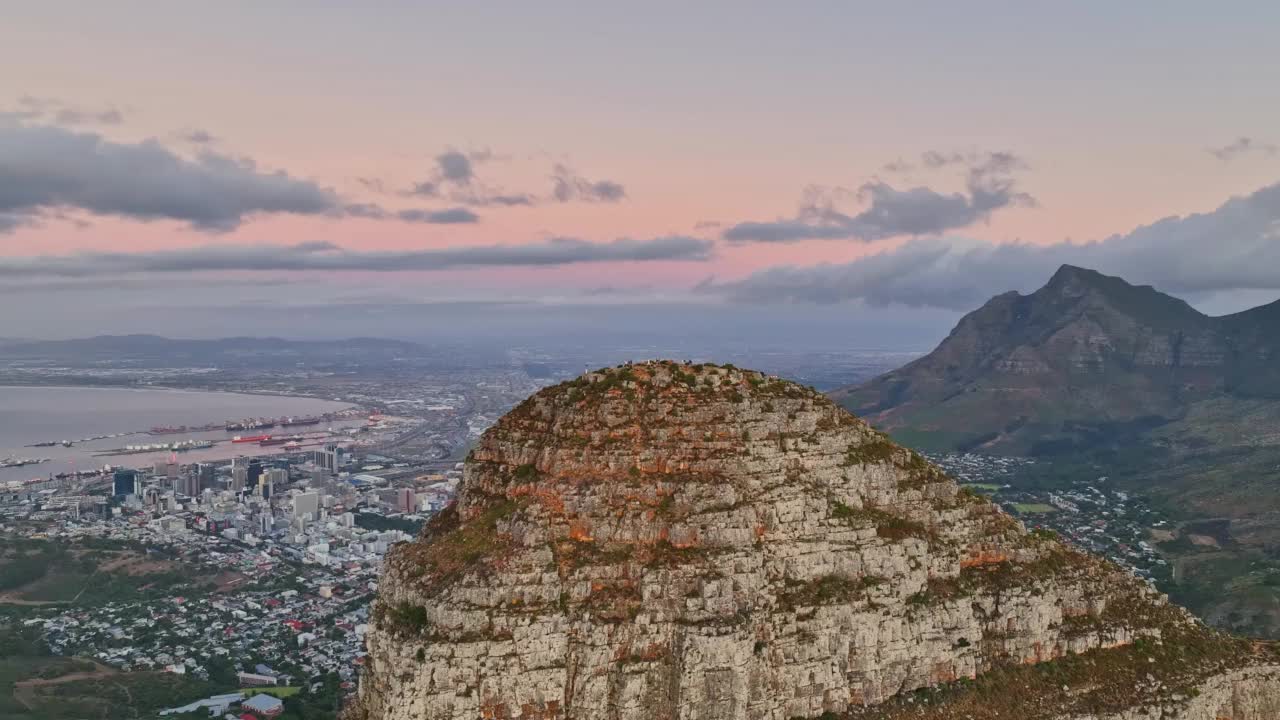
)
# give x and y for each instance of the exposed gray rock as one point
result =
(675, 541)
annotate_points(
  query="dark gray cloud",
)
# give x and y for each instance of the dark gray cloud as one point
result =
(892, 212)
(455, 167)
(568, 186)
(63, 113)
(454, 178)
(1235, 247)
(1242, 146)
(46, 170)
(323, 256)
(448, 216)
(452, 168)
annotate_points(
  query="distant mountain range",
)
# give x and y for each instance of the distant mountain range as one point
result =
(235, 351)
(1087, 360)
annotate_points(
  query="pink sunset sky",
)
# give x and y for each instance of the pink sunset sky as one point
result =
(727, 152)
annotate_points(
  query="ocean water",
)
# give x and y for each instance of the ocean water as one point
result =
(31, 415)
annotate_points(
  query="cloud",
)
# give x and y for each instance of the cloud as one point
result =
(498, 199)
(323, 256)
(568, 186)
(454, 178)
(62, 113)
(1242, 146)
(449, 216)
(899, 166)
(426, 188)
(199, 137)
(12, 221)
(892, 212)
(1235, 247)
(454, 167)
(372, 184)
(46, 170)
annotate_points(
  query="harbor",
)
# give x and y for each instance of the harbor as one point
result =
(11, 462)
(80, 430)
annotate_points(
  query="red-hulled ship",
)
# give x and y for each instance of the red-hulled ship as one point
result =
(250, 438)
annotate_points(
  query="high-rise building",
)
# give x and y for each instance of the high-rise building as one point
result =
(330, 458)
(306, 503)
(188, 482)
(406, 500)
(272, 478)
(125, 482)
(205, 477)
(240, 473)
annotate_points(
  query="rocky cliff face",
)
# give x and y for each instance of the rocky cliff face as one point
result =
(1084, 358)
(675, 541)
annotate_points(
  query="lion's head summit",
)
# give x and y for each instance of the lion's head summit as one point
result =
(667, 540)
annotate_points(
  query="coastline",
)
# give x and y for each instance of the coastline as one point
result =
(174, 389)
(77, 427)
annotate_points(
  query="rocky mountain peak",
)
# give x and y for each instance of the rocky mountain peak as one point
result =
(696, 541)
(1072, 276)
(1141, 303)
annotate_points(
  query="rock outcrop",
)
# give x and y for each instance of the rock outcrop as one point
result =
(666, 540)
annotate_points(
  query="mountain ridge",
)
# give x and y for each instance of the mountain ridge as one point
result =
(1086, 348)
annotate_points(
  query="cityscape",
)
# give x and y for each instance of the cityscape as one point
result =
(254, 574)
(252, 568)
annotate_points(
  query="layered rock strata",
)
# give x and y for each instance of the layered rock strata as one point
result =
(666, 540)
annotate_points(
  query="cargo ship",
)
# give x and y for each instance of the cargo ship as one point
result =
(270, 440)
(250, 438)
(258, 424)
(295, 422)
(168, 429)
(178, 446)
(21, 462)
